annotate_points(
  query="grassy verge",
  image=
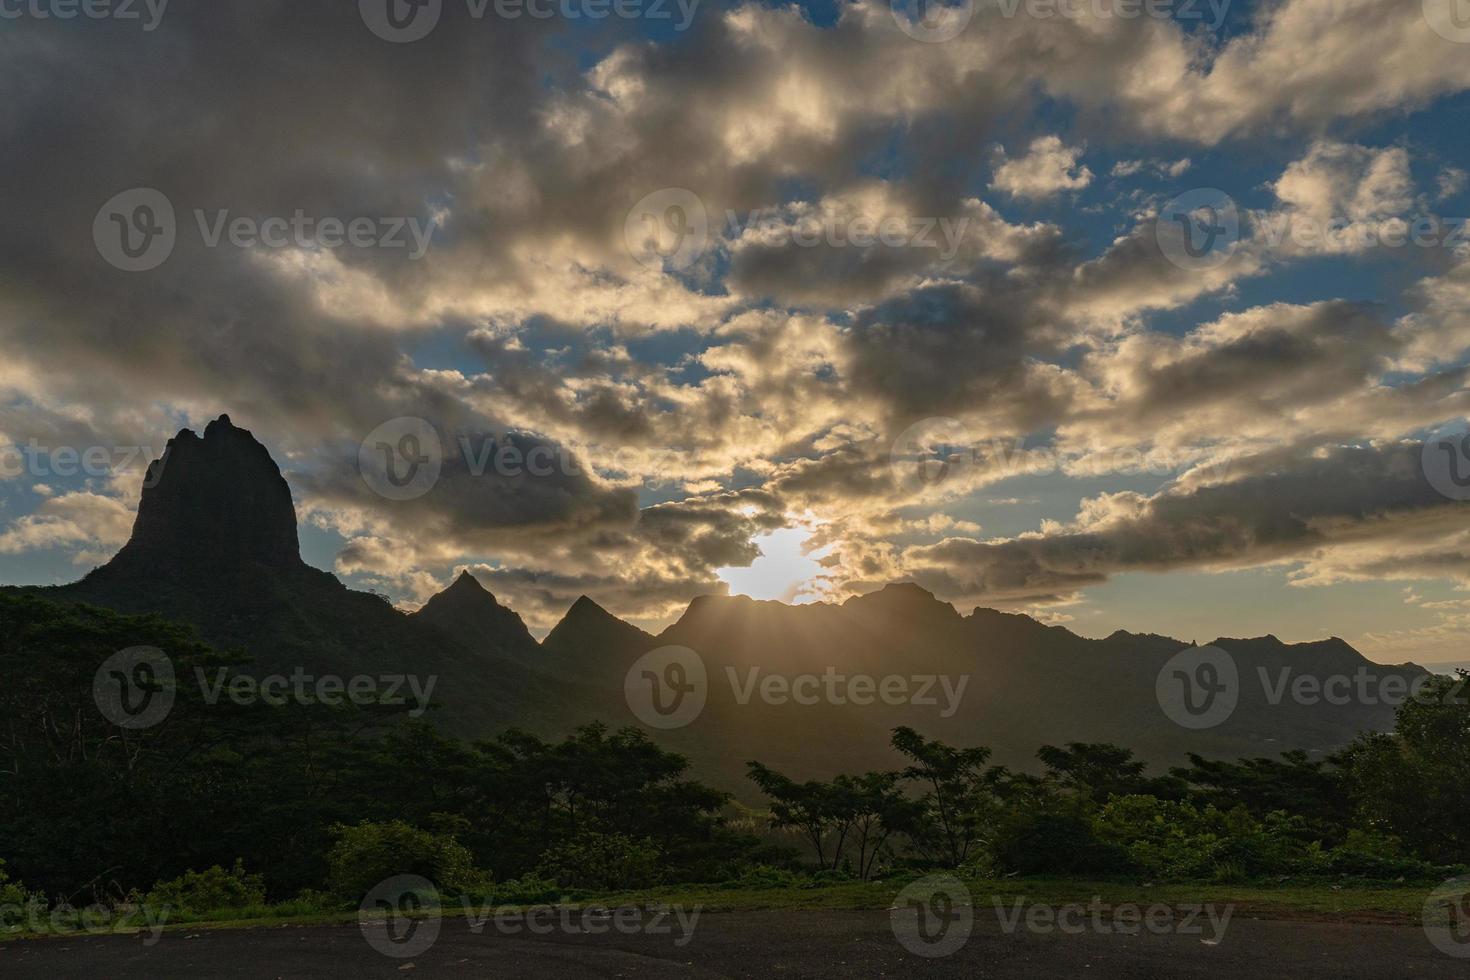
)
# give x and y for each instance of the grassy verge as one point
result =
(1375, 902)
(1388, 903)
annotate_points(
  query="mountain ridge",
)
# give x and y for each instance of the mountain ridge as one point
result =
(215, 545)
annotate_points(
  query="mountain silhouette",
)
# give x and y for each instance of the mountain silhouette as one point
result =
(592, 645)
(209, 503)
(215, 545)
(468, 613)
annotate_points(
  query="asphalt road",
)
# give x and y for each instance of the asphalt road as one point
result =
(760, 944)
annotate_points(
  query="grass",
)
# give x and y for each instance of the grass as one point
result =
(1385, 903)
(1360, 902)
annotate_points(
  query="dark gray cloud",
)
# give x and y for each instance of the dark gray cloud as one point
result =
(1350, 498)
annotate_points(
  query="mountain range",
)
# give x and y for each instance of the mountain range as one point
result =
(215, 545)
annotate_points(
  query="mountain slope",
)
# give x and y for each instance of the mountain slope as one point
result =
(215, 545)
(468, 614)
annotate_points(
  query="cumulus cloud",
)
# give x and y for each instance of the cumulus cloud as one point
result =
(90, 526)
(1341, 198)
(1048, 168)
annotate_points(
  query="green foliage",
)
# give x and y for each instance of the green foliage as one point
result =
(1171, 840)
(210, 890)
(1414, 784)
(606, 862)
(1097, 771)
(860, 812)
(959, 808)
(296, 794)
(1293, 784)
(15, 899)
(1369, 856)
(829, 876)
(368, 853)
(1055, 841)
(528, 889)
(763, 876)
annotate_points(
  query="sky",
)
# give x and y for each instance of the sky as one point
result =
(1155, 321)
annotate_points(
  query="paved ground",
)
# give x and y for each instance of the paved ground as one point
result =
(762, 944)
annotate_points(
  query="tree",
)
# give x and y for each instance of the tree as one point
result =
(873, 807)
(960, 804)
(862, 810)
(1294, 783)
(1415, 783)
(1096, 771)
(810, 807)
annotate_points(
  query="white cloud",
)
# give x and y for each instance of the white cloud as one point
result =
(1048, 168)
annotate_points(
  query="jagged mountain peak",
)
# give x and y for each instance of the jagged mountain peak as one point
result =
(467, 583)
(586, 609)
(900, 598)
(588, 625)
(464, 592)
(215, 501)
(469, 612)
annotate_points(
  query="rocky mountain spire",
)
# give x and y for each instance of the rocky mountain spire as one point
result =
(213, 501)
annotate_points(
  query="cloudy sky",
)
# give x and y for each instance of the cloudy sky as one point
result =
(1154, 322)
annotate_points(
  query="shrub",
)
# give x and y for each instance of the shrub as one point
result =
(210, 890)
(15, 900)
(603, 862)
(1056, 842)
(829, 876)
(369, 853)
(527, 890)
(980, 864)
(763, 876)
(1369, 855)
(1178, 841)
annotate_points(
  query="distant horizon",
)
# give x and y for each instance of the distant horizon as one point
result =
(541, 630)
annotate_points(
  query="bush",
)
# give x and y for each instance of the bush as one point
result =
(1056, 842)
(829, 876)
(1368, 855)
(763, 876)
(980, 864)
(369, 853)
(602, 862)
(527, 890)
(1178, 841)
(15, 900)
(208, 891)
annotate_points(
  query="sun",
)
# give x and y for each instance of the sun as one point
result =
(783, 571)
